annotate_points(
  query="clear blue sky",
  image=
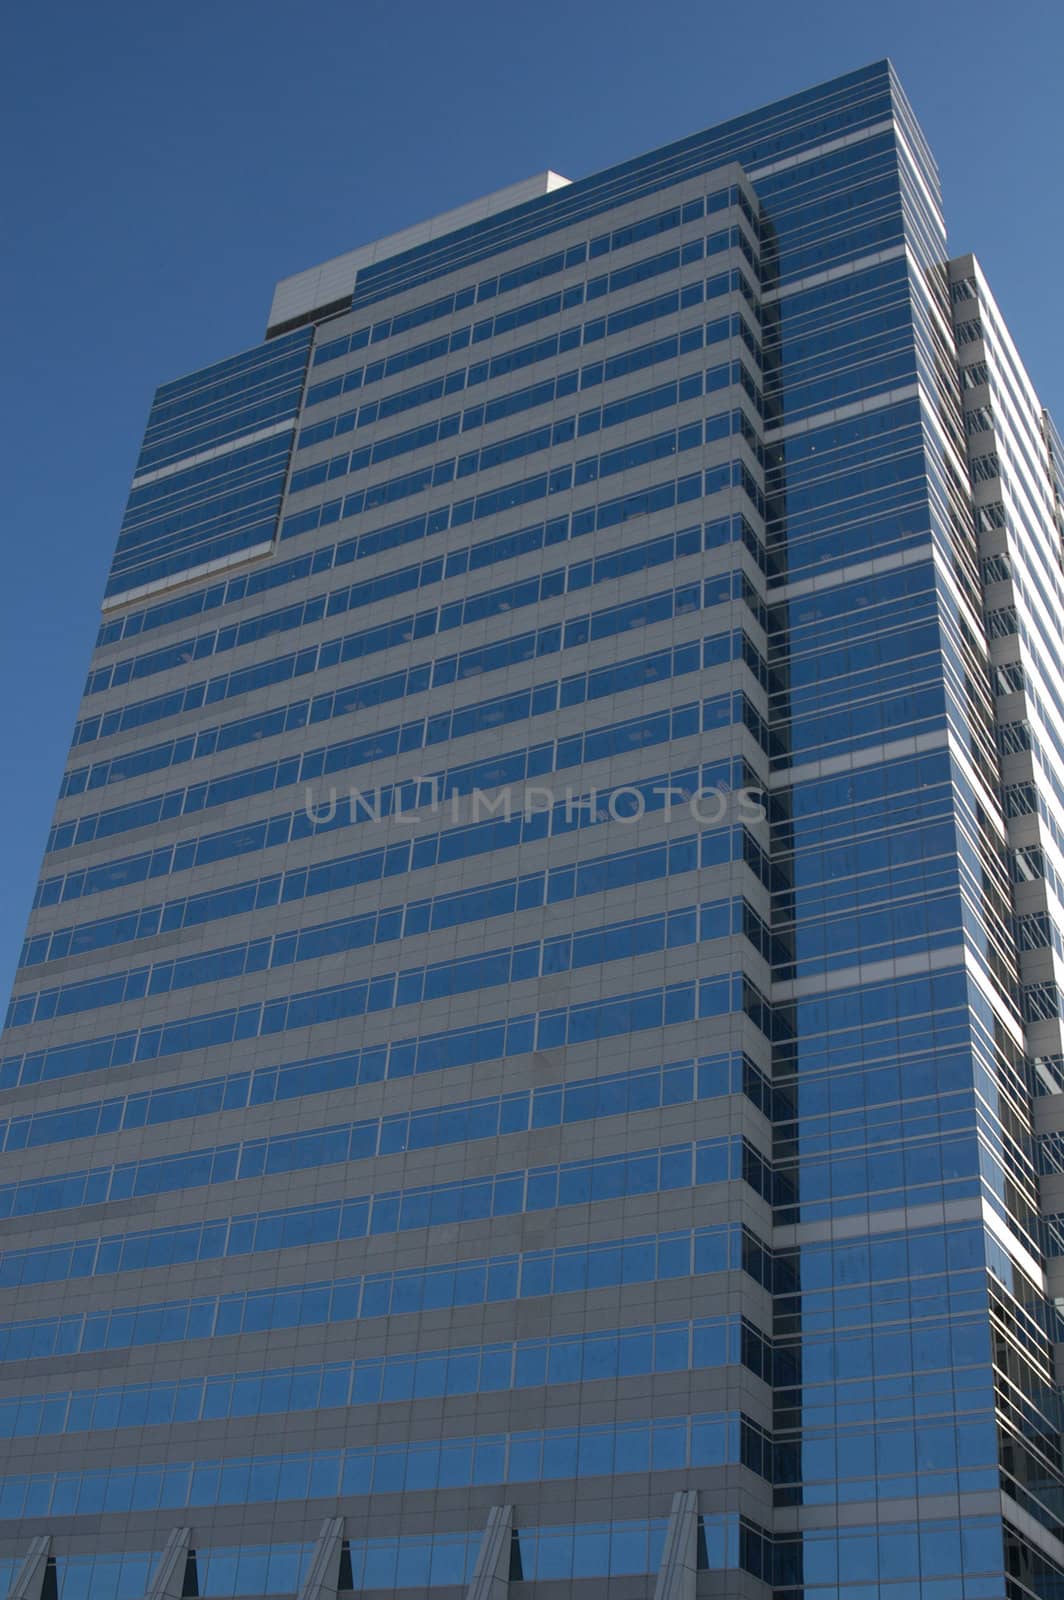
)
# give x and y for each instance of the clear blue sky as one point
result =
(166, 165)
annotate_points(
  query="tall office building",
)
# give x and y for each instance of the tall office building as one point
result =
(540, 1027)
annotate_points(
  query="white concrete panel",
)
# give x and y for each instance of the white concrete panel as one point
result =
(329, 281)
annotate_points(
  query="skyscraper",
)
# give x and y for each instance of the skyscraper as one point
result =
(536, 1065)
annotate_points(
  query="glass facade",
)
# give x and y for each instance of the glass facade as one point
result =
(561, 1088)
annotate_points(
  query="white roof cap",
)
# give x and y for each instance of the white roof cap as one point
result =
(334, 280)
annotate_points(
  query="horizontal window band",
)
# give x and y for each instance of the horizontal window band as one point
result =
(553, 639)
(504, 897)
(445, 617)
(572, 256)
(329, 761)
(643, 1258)
(661, 1444)
(547, 347)
(649, 1171)
(331, 812)
(327, 557)
(704, 1343)
(428, 1053)
(391, 991)
(677, 1083)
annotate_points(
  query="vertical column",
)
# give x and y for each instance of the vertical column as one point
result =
(679, 1559)
(30, 1576)
(491, 1575)
(323, 1574)
(169, 1580)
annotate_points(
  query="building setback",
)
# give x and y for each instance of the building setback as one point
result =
(536, 1066)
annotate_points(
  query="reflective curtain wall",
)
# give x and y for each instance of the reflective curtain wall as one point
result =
(536, 1063)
